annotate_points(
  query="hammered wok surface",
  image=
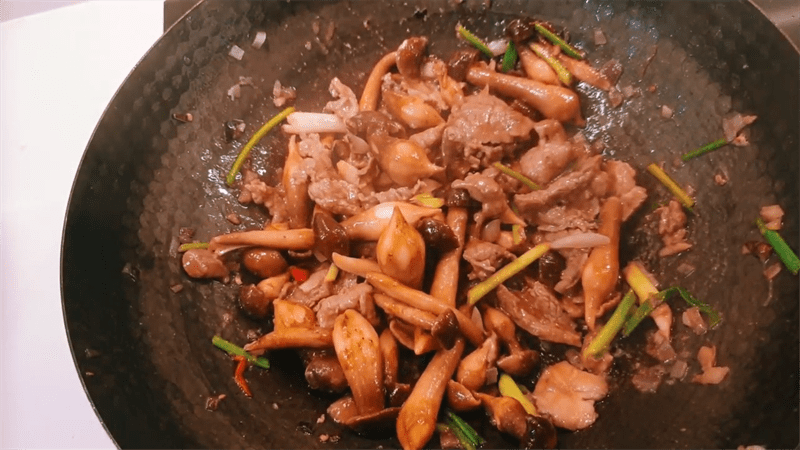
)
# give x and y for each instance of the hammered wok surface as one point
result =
(145, 175)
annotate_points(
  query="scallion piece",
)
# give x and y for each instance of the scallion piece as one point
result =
(789, 257)
(254, 140)
(710, 147)
(427, 199)
(509, 270)
(192, 245)
(509, 57)
(509, 388)
(602, 340)
(673, 187)
(566, 48)
(561, 72)
(517, 176)
(332, 273)
(636, 318)
(233, 349)
(462, 428)
(648, 306)
(477, 43)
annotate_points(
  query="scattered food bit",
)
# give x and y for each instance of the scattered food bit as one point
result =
(760, 250)
(183, 117)
(235, 91)
(653, 51)
(212, 403)
(237, 279)
(236, 52)
(321, 419)
(734, 125)
(234, 129)
(629, 91)
(773, 216)
(721, 179)
(185, 235)
(686, 269)
(772, 271)
(751, 447)
(282, 94)
(652, 88)
(89, 374)
(692, 319)
(666, 112)
(679, 369)
(259, 40)
(323, 438)
(611, 71)
(175, 288)
(334, 438)
(91, 353)
(599, 37)
(647, 379)
(672, 228)
(787, 255)
(275, 406)
(614, 97)
(712, 374)
(234, 218)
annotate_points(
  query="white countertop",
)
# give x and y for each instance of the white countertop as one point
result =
(58, 71)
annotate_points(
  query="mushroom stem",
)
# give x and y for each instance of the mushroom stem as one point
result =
(417, 419)
(298, 239)
(413, 316)
(372, 89)
(291, 338)
(445, 279)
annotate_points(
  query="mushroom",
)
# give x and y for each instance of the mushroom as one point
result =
(417, 419)
(401, 251)
(297, 239)
(472, 369)
(372, 88)
(329, 236)
(272, 286)
(600, 273)
(294, 337)
(254, 301)
(424, 342)
(508, 415)
(554, 102)
(292, 315)
(460, 398)
(264, 262)
(404, 161)
(403, 332)
(391, 359)
(324, 373)
(356, 266)
(345, 412)
(536, 68)
(409, 56)
(445, 329)
(295, 185)
(358, 349)
(445, 279)
(584, 72)
(203, 263)
(520, 361)
(413, 112)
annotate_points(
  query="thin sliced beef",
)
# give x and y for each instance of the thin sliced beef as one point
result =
(488, 192)
(537, 311)
(567, 395)
(485, 258)
(481, 129)
(550, 156)
(622, 184)
(672, 228)
(562, 187)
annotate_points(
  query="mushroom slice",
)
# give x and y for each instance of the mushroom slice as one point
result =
(460, 398)
(472, 369)
(358, 349)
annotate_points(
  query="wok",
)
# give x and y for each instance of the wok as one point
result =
(144, 175)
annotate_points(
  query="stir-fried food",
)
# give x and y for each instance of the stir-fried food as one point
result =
(428, 237)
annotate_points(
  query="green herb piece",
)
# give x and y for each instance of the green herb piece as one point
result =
(465, 433)
(705, 149)
(272, 123)
(508, 271)
(636, 318)
(233, 349)
(673, 187)
(192, 245)
(561, 72)
(566, 48)
(427, 199)
(789, 257)
(648, 306)
(602, 340)
(516, 229)
(713, 316)
(509, 388)
(477, 43)
(332, 273)
(509, 57)
(517, 176)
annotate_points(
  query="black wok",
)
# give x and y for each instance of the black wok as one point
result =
(144, 175)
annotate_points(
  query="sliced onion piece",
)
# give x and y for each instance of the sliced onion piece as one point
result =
(580, 240)
(303, 122)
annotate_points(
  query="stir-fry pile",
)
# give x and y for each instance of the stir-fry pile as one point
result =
(427, 235)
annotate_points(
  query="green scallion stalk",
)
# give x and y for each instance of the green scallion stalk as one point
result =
(272, 123)
(332, 273)
(602, 340)
(713, 316)
(233, 349)
(475, 41)
(517, 176)
(509, 57)
(192, 245)
(789, 257)
(636, 318)
(509, 270)
(710, 147)
(458, 424)
(648, 306)
(673, 187)
(566, 48)
(427, 199)
(509, 388)
(561, 72)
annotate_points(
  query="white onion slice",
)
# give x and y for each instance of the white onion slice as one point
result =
(259, 40)
(580, 240)
(236, 52)
(303, 122)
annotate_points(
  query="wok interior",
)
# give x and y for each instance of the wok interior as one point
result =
(146, 175)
